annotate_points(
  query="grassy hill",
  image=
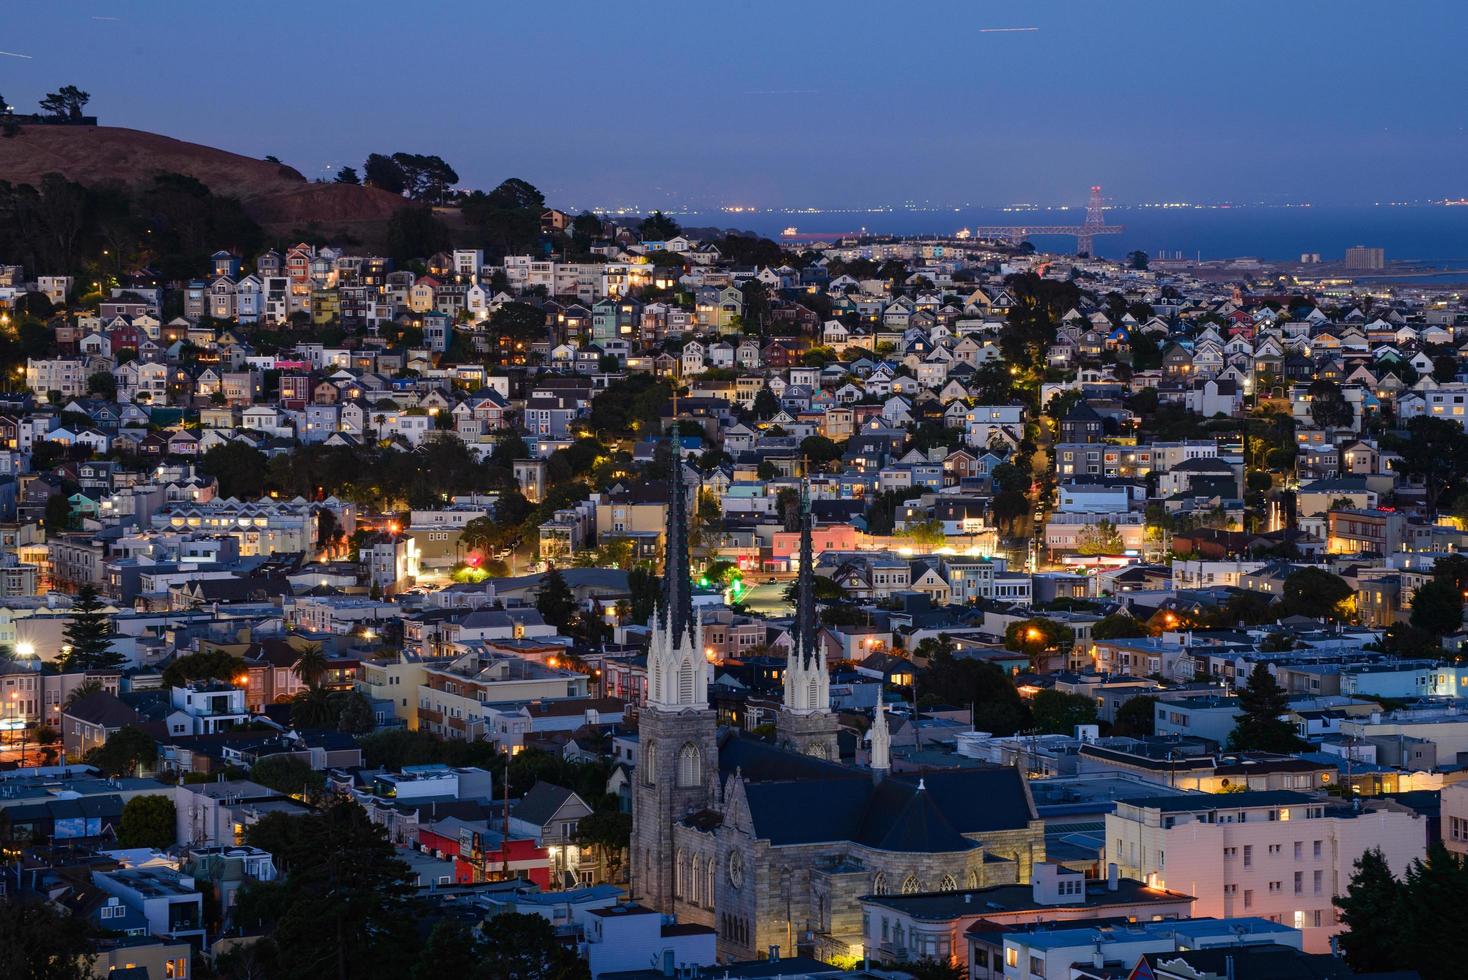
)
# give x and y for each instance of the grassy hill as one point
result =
(276, 196)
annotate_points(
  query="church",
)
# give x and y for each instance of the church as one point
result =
(772, 843)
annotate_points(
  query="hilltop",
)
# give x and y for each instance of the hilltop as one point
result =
(276, 196)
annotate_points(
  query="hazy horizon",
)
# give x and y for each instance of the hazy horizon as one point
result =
(818, 104)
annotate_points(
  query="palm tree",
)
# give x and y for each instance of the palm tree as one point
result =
(311, 664)
(315, 707)
(83, 690)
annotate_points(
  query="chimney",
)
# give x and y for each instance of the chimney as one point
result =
(1113, 877)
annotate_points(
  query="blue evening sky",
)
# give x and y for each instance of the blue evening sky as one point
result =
(795, 102)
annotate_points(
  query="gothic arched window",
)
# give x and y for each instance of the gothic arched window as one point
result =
(690, 766)
(649, 757)
(973, 879)
(909, 885)
(947, 884)
(695, 881)
(680, 874)
(879, 883)
(709, 871)
(812, 695)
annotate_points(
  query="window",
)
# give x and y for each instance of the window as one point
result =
(1299, 849)
(1248, 898)
(690, 766)
(1315, 880)
(910, 885)
(1317, 849)
(1299, 882)
(1248, 855)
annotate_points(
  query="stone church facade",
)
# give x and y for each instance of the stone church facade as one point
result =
(772, 845)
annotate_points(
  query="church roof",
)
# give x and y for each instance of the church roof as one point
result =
(799, 799)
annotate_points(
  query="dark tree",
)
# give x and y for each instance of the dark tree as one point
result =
(934, 969)
(1328, 406)
(1136, 717)
(1436, 894)
(288, 774)
(66, 103)
(525, 947)
(766, 405)
(645, 588)
(451, 951)
(1315, 593)
(425, 177)
(658, 227)
(1033, 637)
(586, 228)
(39, 942)
(383, 172)
(1437, 607)
(356, 716)
(820, 451)
(210, 664)
(125, 752)
(1058, 713)
(88, 635)
(996, 704)
(58, 513)
(555, 600)
(1435, 450)
(1260, 727)
(516, 194)
(148, 821)
(1118, 626)
(348, 175)
(343, 907)
(1371, 911)
(414, 233)
(239, 468)
(102, 384)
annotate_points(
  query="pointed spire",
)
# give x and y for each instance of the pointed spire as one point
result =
(805, 589)
(881, 743)
(676, 609)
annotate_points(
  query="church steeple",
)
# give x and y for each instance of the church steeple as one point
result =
(675, 610)
(805, 721)
(807, 680)
(677, 672)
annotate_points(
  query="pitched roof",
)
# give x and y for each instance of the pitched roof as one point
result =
(541, 803)
(102, 709)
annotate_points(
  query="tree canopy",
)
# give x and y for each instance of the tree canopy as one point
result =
(1261, 727)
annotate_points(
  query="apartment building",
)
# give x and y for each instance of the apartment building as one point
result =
(1277, 855)
(452, 699)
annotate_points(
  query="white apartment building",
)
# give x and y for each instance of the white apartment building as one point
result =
(1277, 855)
(67, 375)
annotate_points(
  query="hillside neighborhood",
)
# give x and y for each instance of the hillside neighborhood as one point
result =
(651, 601)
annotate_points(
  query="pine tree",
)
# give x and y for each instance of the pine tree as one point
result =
(88, 636)
(1260, 728)
(1432, 911)
(555, 599)
(1371, 912)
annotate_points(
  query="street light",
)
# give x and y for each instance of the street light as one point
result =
(25, 649)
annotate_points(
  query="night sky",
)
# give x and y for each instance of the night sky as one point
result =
(797, 102)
